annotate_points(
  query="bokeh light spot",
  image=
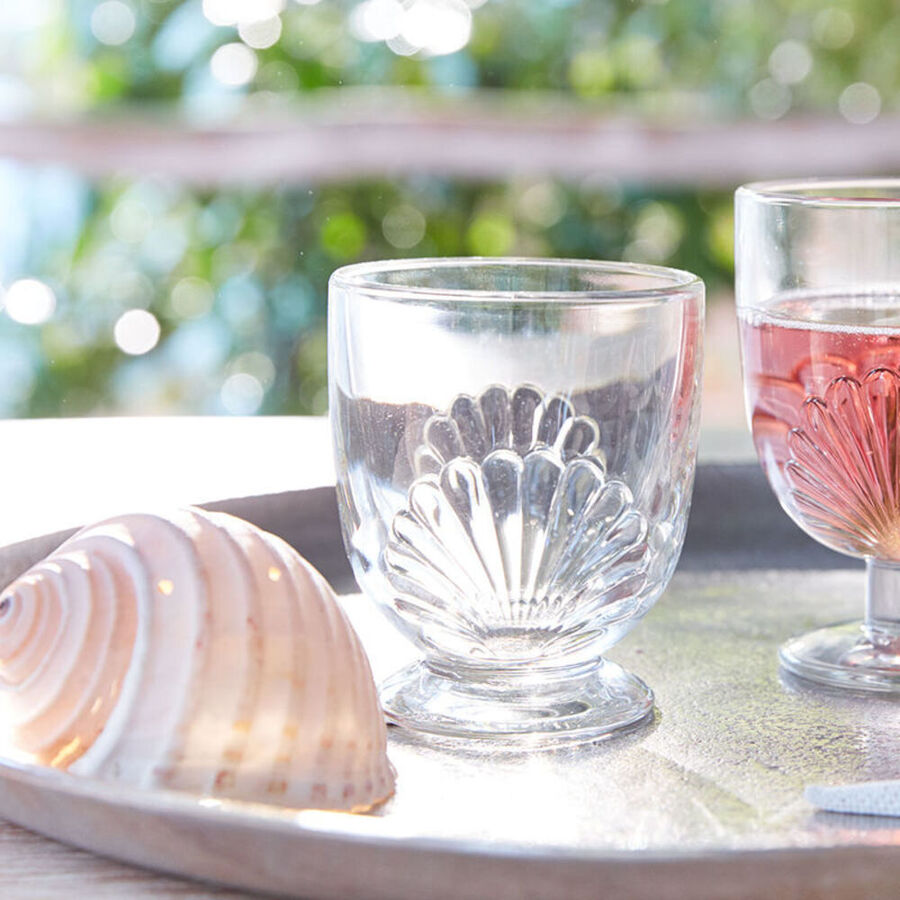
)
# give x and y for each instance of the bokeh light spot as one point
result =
(400, 46)
(542, 204)
(131, 219)
(191, 298)
(769, 99)
(343, 235)
(165, 244)
(403, 226)
(233, 64)
(29, 301)
(376, 20)
(239, 12)
(790, 62)
(260, 35)
(254, 363)
(859, 103)
(136, 332)
(833, 28)
(639, 61)
(112, 22)
(591, 73)
(490, 234)
(437, 27)
(242, 394)
(659, 229)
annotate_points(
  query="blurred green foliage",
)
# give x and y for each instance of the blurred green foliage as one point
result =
(642, 54)
(236, 277)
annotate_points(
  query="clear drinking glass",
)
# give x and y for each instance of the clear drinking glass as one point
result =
(818, 293)
(515, 445)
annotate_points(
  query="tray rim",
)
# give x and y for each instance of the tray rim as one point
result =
(244, 813)
(346, 865)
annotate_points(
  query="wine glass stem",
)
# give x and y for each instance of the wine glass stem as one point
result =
(882, 623)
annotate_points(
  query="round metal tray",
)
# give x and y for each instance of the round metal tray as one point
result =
(704, 801)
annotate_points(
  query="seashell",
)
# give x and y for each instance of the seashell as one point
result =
(195, 652)
(843, 464)
(519, 544)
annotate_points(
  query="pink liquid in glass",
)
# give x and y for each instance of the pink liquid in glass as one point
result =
(822, 378)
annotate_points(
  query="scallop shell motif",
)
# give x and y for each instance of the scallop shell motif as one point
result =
(191, 651)
(497, 419)
(519, 543)
(844, 464)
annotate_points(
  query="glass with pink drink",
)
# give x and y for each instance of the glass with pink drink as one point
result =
(818, 294)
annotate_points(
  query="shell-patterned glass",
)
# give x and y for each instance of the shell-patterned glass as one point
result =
(515, 444)
(818, 293)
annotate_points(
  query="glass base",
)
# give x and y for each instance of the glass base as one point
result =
(573, 709)
(844, 656)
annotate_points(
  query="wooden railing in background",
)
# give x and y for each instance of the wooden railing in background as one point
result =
(347, 134)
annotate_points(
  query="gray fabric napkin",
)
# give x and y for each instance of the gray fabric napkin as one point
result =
(871, 798)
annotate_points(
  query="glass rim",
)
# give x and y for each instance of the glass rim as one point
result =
(361, 277)
(812, 192)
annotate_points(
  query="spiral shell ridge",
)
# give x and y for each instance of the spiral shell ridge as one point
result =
(191, 651)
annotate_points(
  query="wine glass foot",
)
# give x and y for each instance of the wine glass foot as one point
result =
(844, 656)
(583, 708)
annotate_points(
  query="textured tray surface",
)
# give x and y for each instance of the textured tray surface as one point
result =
(723, 765)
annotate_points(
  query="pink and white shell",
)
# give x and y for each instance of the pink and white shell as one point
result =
(196, 652)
